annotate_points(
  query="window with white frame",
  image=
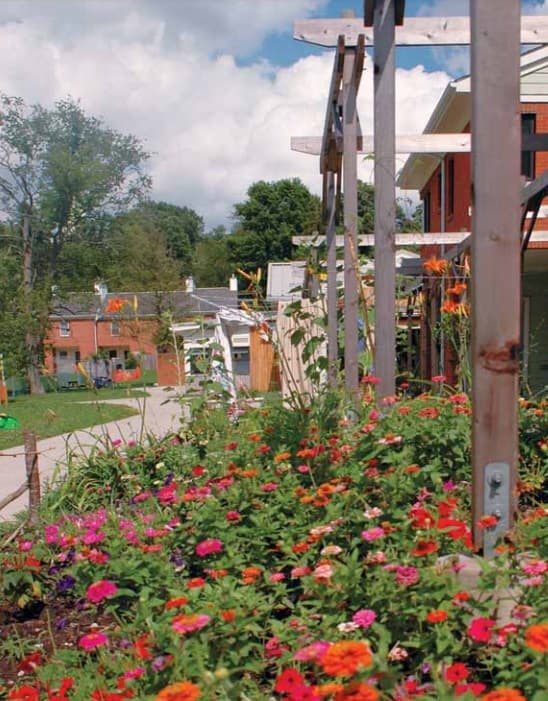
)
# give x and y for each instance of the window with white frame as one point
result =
(64, 328)
(114, 328)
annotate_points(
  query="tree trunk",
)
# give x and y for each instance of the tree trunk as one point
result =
(32, 339)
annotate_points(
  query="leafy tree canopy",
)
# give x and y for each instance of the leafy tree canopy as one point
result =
(265, 222)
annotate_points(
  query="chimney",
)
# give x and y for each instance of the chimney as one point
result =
(189, 284)
(233, 284)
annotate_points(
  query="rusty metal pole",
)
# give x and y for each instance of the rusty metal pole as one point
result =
(496, 158)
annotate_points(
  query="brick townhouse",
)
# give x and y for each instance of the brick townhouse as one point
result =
(443, 182)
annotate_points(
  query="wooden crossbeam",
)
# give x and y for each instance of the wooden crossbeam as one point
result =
(414, 143)
(416, 31)
(461, 240)
(412, 239)
(534, 188)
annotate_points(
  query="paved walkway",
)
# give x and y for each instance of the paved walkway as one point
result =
(159, 413)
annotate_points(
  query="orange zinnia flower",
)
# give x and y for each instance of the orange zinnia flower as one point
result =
(114, 305)
(436, 616)
(536, 637)
(457, 289)
(503, 694)
(345, 657)
(181, 691)
(357, 692)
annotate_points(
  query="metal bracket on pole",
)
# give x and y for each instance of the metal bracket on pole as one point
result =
(496, 498)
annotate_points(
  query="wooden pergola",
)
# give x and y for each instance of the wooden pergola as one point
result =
(499, 209)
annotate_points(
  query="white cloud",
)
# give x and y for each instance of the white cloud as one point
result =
(214, 126)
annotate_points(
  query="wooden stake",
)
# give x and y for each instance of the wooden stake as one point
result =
(495, 251)
(385, 197)
(33, 476)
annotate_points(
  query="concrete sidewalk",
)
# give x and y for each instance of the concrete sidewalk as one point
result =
(159, 413)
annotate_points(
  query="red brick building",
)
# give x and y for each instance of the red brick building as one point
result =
(444, 183)
(85, 327)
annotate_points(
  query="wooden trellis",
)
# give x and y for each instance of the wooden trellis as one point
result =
(495, 38)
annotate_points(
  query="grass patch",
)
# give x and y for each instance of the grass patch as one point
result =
(61, 412)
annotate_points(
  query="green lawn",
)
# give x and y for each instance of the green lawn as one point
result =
(61, 412)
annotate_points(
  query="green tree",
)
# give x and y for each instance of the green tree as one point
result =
(139, 258)
(59, 168)
(181, 226)
(212, 266)
(265, 222)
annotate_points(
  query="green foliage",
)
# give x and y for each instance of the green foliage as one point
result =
(266, 221)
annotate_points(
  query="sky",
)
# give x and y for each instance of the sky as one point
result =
(213, 88)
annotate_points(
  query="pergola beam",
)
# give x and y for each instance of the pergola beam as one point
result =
(416, 31)
(412, 143)
(412, 239)
(496, 264)
(384, 118)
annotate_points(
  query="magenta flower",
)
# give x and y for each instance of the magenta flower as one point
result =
(364, 617)
(98, 591)
(233, 516)
(373, 533)
(92, 640)
(208, 547)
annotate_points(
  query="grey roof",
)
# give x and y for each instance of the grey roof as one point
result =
(204, 300)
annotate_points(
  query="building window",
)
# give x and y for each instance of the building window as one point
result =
(114, 328)
(450, 187)
(426, 212)
(64, 328)
(528, 126)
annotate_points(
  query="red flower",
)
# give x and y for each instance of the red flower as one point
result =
(26, 693)
(288, 680)
(141, 647)
(424, 547)
(436, 616)
(480, 629)
(457, 672)
(474, 688)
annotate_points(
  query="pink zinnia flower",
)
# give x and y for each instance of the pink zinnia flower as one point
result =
(103, 589)
(406, 576)
(208, 547)
(313, 652)
(300, 572)
(364, 617)
(233, 516)
(92, 640)
(269, 487)
(187, 623)
(373, 533)
(277, 577)
(480, 629)
(535, 567)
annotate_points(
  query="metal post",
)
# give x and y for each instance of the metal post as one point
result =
(496, 140)
(385, 197)
(332, 339)
(350, 187)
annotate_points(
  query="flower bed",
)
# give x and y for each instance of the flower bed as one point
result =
(293, 556)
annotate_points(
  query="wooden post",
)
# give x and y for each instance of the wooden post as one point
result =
(330, 199)
(385, 197)
(33, 475)
(350, 188)
(495, 258)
